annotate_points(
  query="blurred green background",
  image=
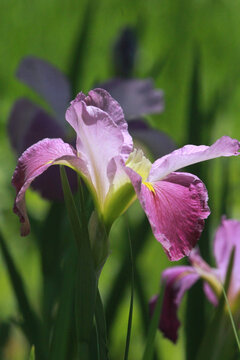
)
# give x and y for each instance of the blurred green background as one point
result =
(179, 41)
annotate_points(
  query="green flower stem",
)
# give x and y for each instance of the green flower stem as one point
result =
(86, 280)
(231, 318)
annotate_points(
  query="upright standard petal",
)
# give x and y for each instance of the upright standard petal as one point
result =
(191, 154)
(176, 208)
(177, 281)
(33, 162)
(101, 136)
(227, 237)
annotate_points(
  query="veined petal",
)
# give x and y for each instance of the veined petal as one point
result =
(176, 208)
(99, 136)
(191, 154)
(227, 237)
(33, 162)
(177, 281)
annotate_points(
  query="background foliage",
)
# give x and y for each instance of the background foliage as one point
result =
(191, 50)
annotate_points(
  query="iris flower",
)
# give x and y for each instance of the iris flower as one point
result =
(179, 279)
(116, 173)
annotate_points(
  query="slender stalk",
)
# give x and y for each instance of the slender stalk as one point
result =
(231, 318)
(86, 281)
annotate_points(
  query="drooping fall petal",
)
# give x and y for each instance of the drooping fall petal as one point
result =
(176, 208)
(177, 281)
(33, 162)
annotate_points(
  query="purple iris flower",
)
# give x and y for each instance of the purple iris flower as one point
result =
(29, 123)
(179, 279)
(116, 173)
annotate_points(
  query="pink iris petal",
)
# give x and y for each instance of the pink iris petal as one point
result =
(176, 209)
(228, 236)
(177, 281)
(191, 154)
(101, 135)
(33, 162)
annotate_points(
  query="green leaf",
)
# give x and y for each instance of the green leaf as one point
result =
(149, 348)
(86, 281)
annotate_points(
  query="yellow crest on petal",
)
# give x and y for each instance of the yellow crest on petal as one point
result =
(139, 163)
(149, 186)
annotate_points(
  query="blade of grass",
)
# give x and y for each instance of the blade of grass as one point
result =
(149, 348)
(231, 319)
(129, 328)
